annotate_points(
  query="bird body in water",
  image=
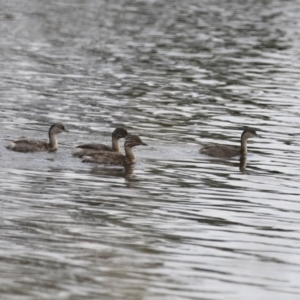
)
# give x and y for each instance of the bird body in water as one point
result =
(228, 151)
(28, 145)
(113, 158)
(87, 149)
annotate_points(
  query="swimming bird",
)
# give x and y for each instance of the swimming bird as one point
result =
(228, 151)
(113, 158)
(28, 145)
(87, 149)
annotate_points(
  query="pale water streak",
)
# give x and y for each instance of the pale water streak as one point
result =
(178, 225)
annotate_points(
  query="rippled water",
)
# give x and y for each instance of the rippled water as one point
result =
(178, 225)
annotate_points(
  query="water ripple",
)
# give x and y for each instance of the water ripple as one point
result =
(178, 224)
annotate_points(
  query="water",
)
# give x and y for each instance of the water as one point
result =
(179, 225)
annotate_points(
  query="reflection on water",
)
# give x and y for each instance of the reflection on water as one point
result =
(121, 172)
(178, 224)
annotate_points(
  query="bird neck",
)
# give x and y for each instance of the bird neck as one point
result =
(53, 141)
(129, 154)
(115, 144)
(244, 145)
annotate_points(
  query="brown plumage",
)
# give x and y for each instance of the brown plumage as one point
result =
(87, 149)
(228, 151)
(27, 145)
(113, 158)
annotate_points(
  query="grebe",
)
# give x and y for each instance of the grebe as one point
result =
(228, 151)
(113, 158)
(27, 145)
(87, 149)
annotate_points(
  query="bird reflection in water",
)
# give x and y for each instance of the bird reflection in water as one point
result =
(126, 172)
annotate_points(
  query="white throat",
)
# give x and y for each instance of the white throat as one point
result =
(129, 154)
(53, 141)
(115, 145)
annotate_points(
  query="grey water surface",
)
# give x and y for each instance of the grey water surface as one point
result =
(179, 224)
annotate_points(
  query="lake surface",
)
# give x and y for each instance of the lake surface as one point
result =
(179, 224)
